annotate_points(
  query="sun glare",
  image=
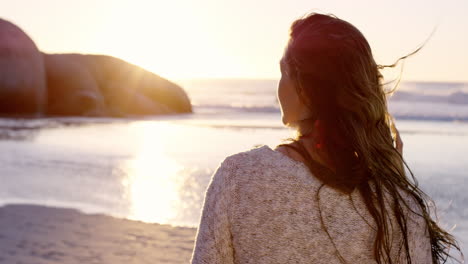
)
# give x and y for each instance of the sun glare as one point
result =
(151, 181)
(174, 39)
(154, 35)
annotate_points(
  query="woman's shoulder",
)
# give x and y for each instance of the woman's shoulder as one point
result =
(244, 160)
(257, 151)
(236, 167)
(262, 155)
(262, 162)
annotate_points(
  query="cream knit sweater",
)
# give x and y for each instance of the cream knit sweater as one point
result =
(261, 207)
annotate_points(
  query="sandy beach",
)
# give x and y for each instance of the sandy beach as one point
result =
(32, 234)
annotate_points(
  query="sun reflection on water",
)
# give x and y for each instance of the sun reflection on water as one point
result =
(151, 178)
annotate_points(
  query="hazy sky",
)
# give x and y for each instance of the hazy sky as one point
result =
(242, 38)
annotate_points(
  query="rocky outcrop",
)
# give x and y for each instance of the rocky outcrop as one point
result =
(23, 89)
(100, 85)
(33, 83)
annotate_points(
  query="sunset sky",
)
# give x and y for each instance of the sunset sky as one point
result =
(181, 39)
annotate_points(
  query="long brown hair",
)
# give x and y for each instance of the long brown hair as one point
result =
(336, 77)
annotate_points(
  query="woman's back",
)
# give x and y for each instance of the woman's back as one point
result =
(264, 208)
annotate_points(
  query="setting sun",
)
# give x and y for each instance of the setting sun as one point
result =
(184, 46)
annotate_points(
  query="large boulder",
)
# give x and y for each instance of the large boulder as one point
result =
(22, 76)
(72, 89)
(100, 85)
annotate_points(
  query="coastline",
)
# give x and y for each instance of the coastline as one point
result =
(42, 234)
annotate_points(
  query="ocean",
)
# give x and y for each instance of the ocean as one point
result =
(156, 169)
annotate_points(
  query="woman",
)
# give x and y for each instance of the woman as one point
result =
(338, 192)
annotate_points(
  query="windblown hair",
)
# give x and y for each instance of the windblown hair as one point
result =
(336, 77)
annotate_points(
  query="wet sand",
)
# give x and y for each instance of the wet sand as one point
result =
(33, 234)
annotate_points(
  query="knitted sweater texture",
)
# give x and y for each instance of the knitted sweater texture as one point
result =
(261, 207)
